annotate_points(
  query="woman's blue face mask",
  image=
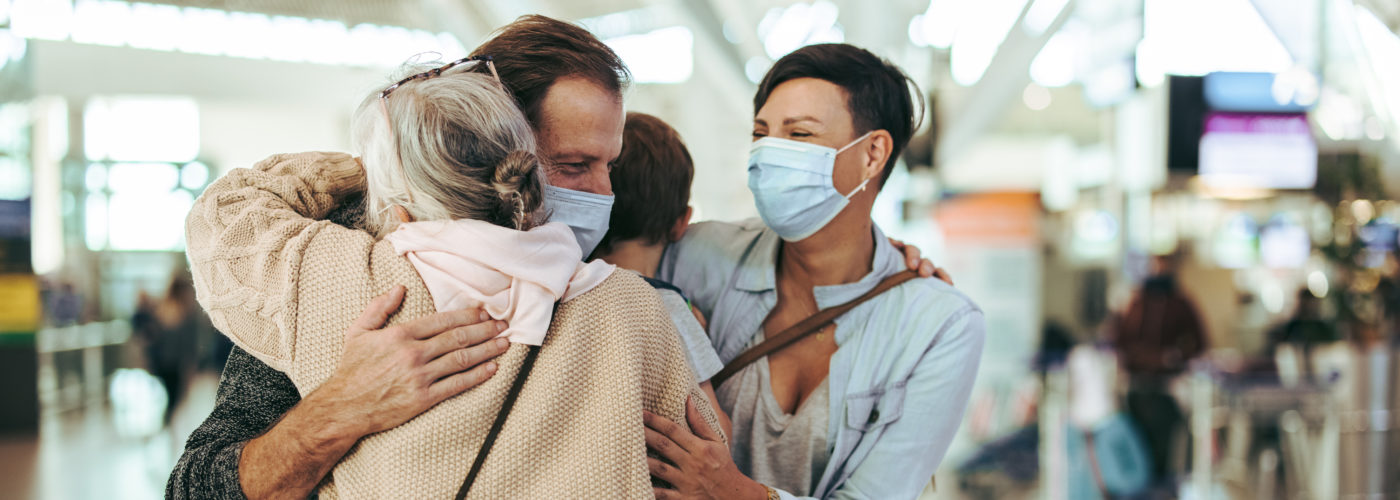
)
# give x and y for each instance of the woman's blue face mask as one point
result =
(792, 185)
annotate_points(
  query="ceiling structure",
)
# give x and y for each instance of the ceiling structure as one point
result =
(728, 50)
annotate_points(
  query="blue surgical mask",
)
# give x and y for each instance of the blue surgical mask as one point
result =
(585, 213)
(792, 186)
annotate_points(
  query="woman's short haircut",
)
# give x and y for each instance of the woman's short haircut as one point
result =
(459, 149)
(879, 95)
(651, 181)
(535, 51)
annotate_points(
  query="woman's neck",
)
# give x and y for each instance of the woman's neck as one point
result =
(636, 256)
(841, 252)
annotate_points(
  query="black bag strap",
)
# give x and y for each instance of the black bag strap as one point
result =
(501, 415)
(500, 422)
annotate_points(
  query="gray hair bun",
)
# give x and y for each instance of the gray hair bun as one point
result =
(517, 181)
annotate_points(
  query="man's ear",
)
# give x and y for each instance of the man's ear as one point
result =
(877, 155)
(678, 230)
(402, 214)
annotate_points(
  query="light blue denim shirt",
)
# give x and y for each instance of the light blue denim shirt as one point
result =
(902, 372)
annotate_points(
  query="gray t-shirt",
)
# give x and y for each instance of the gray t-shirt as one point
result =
(703, 360)
(781, 450)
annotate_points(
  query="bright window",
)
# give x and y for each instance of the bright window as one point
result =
(141, 129)
(141, 178)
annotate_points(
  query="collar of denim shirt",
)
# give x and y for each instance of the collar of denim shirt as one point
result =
(757, 272)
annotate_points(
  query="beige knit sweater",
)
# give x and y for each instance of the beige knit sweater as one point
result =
(284, 286)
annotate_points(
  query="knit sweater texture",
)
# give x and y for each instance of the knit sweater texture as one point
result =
(284, 285)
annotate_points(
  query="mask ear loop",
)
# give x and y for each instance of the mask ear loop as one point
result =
(852, 143)
(858, 189)
(863, 183)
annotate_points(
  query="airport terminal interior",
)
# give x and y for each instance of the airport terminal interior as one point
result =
(1218, 175)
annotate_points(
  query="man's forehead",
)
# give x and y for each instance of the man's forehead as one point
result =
(579, 118)
(581, 146)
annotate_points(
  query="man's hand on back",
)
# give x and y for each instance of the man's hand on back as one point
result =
(386, 377)
(389, 376)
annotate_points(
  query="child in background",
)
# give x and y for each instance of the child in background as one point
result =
(651, 182)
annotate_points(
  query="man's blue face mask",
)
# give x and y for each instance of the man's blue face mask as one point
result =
(587, 214)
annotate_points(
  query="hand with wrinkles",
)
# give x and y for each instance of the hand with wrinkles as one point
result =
(386, 377)
(389, 376)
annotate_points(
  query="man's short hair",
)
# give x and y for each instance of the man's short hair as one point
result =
(651, 182)
(535, 51)
(879, 95)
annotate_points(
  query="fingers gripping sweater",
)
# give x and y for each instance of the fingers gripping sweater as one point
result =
(284, 286)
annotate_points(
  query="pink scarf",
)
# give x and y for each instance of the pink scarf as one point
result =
(516, 276)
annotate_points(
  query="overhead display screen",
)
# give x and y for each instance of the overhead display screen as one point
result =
(1262, 151)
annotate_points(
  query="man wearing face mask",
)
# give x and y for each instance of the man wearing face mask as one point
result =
(854, 403)
(263, 439)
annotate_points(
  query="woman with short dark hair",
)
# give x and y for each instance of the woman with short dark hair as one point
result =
(864, 406)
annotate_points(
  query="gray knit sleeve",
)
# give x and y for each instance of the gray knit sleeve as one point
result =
(252, 396)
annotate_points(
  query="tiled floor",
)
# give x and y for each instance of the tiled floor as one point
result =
(80, 455)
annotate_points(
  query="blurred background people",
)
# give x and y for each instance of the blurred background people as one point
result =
(168, 327)
(1156, 338)
(1160, 332)
(1307, 326)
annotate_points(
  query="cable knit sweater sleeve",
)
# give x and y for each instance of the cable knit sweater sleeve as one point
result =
(251, 231)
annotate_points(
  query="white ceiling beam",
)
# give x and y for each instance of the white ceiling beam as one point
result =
(1001, 85)
(462, 19)
(124, 70)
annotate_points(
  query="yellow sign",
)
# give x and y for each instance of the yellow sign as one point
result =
(19, 303)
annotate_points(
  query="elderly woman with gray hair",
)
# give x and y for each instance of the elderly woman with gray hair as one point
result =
(451, 213)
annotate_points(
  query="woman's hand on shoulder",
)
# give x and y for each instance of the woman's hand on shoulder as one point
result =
(914, 259)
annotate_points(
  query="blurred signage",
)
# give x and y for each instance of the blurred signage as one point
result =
(1095, 236)
(994, 250)
(19, 304)
(14, 236)
(1005, 218)
(1269, 151)
(1186, 111)
(1235, 242)
(14, 219)
(1284, 244)
(1290, 92)
(1379, 239)
(1253, 112)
